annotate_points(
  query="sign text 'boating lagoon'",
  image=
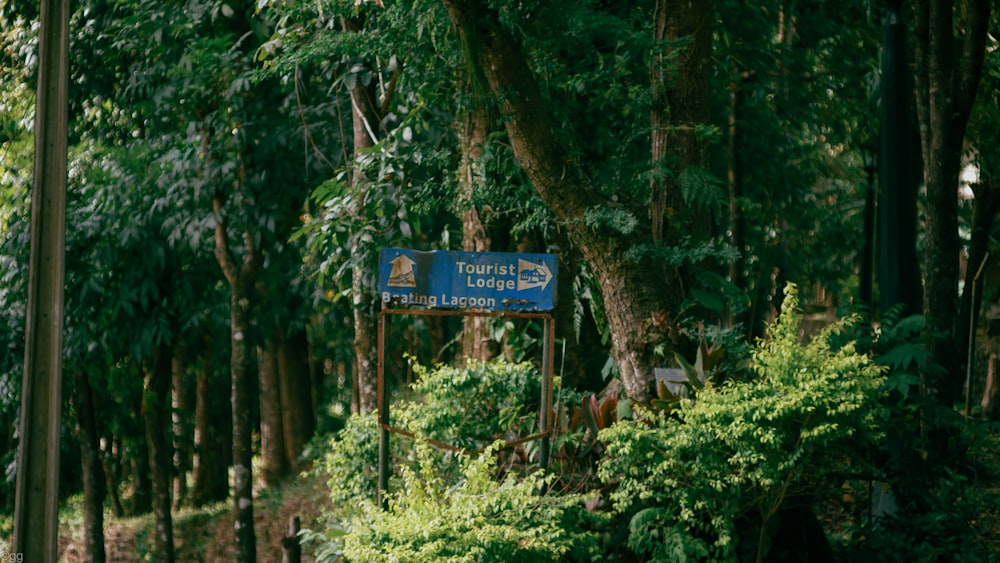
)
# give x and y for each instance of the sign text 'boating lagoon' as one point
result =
(453, 279)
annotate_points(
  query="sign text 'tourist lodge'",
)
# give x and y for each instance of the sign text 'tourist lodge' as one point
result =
(451, 279)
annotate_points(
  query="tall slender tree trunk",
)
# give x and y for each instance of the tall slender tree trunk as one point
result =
(210, 479)
(242, 401)
(180, 418)
(948, 71)
(142, 487)
(274, 464)
(242, 277)
(298, 410)
(93, 472)
(367, 120)
(365, 343)
(735, 183)
(111, 464)
(899, 271)
(156, 411)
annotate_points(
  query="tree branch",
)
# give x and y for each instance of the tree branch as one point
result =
(970, 64)
(390, 90)
(222, 252)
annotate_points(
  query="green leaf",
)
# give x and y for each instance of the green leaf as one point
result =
(708, 300)
(644, 518)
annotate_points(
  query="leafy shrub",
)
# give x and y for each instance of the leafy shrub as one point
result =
(472, 406)
(351, 465)
(708, 482)
(463, 407)
(467, 408)
(476, 520)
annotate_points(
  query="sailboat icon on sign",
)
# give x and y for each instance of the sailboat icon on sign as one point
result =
(401, 274)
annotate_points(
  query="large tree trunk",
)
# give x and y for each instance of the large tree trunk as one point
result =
(93, 472)
(636, 292)
(274, 465)
(210, 479)
(242, 276)
(948, 71)
(298, 409)
(156, 409)
(947, 76)
(679, 80)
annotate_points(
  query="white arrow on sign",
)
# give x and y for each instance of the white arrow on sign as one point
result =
(531, 275)
(401, 274)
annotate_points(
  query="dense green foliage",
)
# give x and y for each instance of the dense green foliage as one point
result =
(709, 481)
(476, 519)
(460, 408)
(465, 409)
(745, 450)
(470, 407)
(446, 506)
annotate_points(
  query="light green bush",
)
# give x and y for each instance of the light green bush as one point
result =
(446, 506)
(477, 520)
(741, 450)
(466, 408)
(351, 463)
(471, 406)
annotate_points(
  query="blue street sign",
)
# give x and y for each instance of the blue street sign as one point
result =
(451, 279)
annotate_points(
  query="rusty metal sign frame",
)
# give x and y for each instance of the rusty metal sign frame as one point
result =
(545, 408)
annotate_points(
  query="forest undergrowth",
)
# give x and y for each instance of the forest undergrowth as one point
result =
(987, 486)
(205, 534)
(963, 517)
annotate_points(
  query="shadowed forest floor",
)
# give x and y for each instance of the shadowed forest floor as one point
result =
(205, 535)
(986, 485)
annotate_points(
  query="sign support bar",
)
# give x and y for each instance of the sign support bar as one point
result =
(383, 418)
(545, 408)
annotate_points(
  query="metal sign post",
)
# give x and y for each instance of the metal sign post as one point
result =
(383, 418)
(36, 502)
(545, 409)
(452, 283)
